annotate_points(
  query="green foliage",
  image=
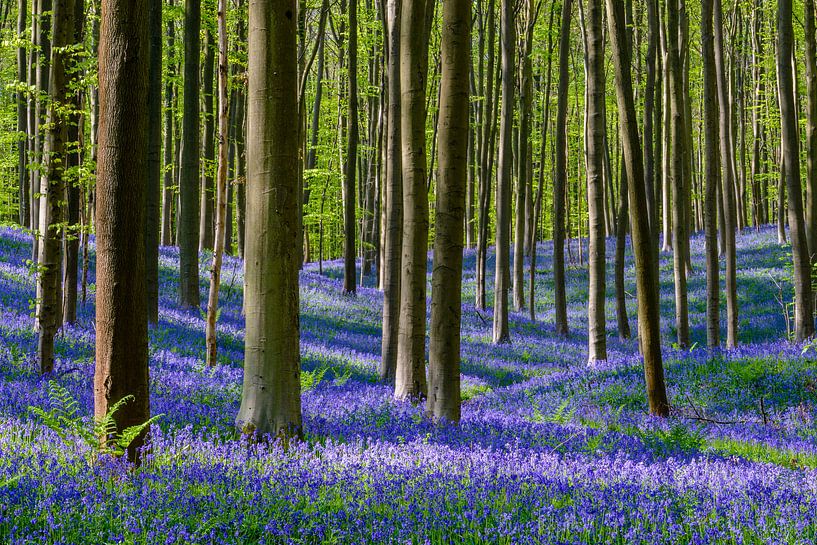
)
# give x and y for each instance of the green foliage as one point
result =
(678, 438)
(64, 418)
(560, 415)
(759, 452)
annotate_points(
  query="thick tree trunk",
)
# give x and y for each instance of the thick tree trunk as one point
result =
(502, 274)
(410, 380)
(188, 213)
(271, 401)
(349, 170)
(560, 176)
(446, 279)
(646, 261)
(121, 315)
(393, 201)
(594, 139)
(803, 309)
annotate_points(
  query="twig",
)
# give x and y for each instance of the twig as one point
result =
(481, 317)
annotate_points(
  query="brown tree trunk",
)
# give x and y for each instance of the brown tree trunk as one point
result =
(121, 314)
(154, 163)
(208, 144)
(803, 309)
(646, 262)
(811, 128)
(23, 181)
(168, 190)
(349, 170)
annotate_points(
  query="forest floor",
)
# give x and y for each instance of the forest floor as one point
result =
(549, 450)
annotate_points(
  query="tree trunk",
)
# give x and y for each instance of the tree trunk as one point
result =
(188, 214)
(271, 401)
(594, 139)
(221, 188)
(393, 201)
(410, 380)
(712, 142)
(168, 192)
(622, 321)
(349, 172)
(727, 151)
(446, 280)
(22, 117)
(646, 262)
(207, 194)
(504, 176)
(154, 163)
(560, 177)
(811, 129)
(49, 316)
(121, 315)
(803, 311)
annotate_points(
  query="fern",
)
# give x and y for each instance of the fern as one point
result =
(101, 434)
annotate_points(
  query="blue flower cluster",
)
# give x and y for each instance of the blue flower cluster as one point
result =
(549, 450)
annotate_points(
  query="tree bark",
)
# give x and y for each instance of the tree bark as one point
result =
(645, 258)
(121, 314)
(560, 177)
(594, 141)
(446, 280)
(349, 170)
(410, 380)
(208, 147)
(22, 117)
(803, 309)
(271, 401)
(188, 213)
(811, 128)
(393, 201)
(168, 191)
(154, 163)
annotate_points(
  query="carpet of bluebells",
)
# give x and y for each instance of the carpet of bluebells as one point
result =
(549, 450)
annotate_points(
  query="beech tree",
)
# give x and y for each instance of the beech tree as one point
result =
(446, 278)
(121, 310)
(271, 400)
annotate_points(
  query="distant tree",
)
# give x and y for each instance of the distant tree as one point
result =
(121, 313)
(446, 278)
(206, 193)
(271, 401)
(154, 162)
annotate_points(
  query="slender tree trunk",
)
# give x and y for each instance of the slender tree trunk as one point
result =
(811, 128)
(208, 147)
(712, 143)
(646, 262)
(271, 401)
(622, 321)
(727, 151)
(168, 193)
(678, 174)
(221, 188)
(594, 138)
(49, 316)
(649, 116)
(446, 279)
(121, 314)
(803, 311)
(393, 201)
(410, 379)
(22, 117)
(560, 178)
(504, 177)
(349, 172)
(188, 216)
